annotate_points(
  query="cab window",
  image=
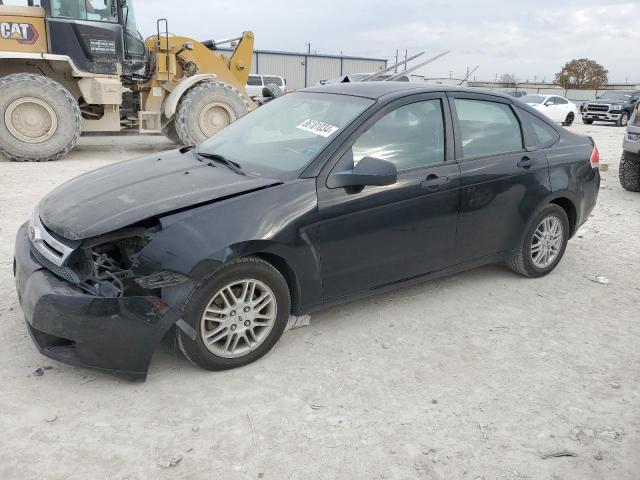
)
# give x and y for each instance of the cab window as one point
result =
(92, 10)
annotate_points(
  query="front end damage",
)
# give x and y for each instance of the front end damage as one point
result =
(95, 302)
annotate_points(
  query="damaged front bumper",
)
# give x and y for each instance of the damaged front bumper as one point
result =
(113, 335)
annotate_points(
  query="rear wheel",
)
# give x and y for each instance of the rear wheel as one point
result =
(238, 315)
(629, 173)
(569, 120)
(206, 109)
(39, 119)
(623, 120)
(587, 121)
(544, 243)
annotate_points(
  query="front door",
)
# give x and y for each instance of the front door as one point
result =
(375, 236)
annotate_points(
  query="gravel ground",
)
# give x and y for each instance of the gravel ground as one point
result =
(475, 376)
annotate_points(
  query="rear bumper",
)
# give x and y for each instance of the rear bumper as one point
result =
(114, 335)
(629, 145)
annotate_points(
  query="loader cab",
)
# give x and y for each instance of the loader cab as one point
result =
(100, 36)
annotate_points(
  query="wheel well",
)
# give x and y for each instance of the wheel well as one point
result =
(287, 272)
(570, 209)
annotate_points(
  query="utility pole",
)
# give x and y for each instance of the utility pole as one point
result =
(405, 59)
(450, 74)
(396, 69)
(308, 45)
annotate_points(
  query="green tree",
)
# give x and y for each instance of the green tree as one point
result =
(582, 73)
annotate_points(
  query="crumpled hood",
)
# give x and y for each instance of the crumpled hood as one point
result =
(124, 193)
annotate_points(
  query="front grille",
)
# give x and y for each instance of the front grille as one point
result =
(63, 272)
(597, 108)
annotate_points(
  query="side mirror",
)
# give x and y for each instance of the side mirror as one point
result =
(368, 171)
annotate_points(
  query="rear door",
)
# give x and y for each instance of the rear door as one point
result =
(502, 181)
(374, 236)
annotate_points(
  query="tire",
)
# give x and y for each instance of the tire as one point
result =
(569, 120)
(623, 120)
(26, 98)
(587, 121)
(523, 262)
(207, 108)
(217, 356)
(169, 131)
(629, 173)
(271, 91)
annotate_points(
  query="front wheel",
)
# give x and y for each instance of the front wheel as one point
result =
(587, 121)
(623, 120)
(544, 243)
(569, 120)
(238, 315)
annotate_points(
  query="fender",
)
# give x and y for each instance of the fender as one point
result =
(171, 102)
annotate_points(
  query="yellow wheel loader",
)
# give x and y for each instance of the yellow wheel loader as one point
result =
(72, 66)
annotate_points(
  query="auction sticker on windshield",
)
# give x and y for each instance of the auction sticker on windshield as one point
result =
(319, 128)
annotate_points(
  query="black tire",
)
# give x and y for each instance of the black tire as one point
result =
(569, 120)
(169, 131)
(522, 262)
(187, 119)
(629, 173)
(623, 120)
(242, 268)
(271, 91)
(63, 135)
(587, 121)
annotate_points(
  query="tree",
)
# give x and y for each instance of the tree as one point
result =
(582, 73)
(509, 79)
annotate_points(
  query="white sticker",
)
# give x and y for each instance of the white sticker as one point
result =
(319, 128)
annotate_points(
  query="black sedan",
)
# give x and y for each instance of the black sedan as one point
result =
(318, 197)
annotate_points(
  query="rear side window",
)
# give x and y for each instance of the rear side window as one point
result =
(543, 134)
(275, 80)
(487, 128)
(254, 80)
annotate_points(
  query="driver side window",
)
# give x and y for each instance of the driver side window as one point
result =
(410, 136)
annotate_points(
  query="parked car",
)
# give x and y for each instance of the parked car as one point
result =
(614, 106)
(257, 83)
(320, 196)
(517, 93)
(629, 171)
(557, 108)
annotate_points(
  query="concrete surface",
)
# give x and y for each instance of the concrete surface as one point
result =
(475, 376)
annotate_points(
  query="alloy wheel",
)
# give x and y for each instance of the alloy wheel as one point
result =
(238, 318)
(547, 242)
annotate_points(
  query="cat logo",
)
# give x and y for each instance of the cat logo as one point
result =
(23, 33)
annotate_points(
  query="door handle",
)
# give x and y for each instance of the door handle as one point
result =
(525, 162)
(433, 182)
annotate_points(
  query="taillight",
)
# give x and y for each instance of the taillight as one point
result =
(595, 157)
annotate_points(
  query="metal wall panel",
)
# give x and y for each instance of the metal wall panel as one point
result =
(291, 67)
(322, 68)
(362, 66)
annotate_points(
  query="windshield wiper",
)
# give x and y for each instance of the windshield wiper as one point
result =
(235, 166)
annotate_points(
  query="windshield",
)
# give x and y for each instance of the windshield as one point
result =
(617, 95)
(282, 137)
(95, 10)
(535, 99)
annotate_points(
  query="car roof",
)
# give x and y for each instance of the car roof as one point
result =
(376, 90)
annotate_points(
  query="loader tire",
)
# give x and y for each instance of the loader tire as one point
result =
(40, 120)
(206, 109)
(169, 131)
(629, 172)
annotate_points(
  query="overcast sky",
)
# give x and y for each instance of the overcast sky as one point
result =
(525, 37)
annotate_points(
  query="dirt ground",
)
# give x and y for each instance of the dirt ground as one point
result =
(476, 376)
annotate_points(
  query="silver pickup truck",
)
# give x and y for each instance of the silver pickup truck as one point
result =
(630, 161)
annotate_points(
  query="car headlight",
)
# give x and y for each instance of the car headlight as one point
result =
(633, 137)
(616, 108)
